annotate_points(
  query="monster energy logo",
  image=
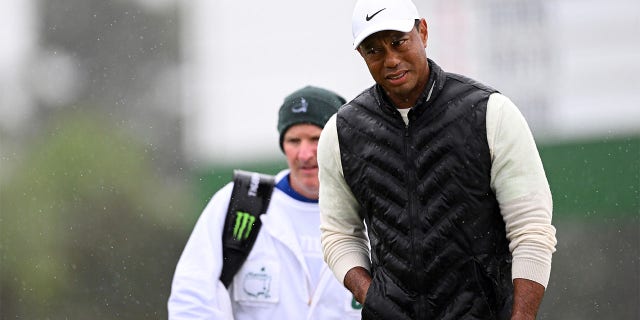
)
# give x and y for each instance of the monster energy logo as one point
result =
(243, 226)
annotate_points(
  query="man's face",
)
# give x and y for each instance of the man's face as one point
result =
(398, 62)
(300, 146)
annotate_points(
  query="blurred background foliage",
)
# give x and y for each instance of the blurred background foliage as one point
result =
(90, 228)
(96, 202)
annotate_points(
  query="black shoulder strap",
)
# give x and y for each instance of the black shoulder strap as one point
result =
(249, 199)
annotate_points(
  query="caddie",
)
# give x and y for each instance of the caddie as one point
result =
(284, 275)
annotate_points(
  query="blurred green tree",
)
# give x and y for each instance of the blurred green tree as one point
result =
(90, 227)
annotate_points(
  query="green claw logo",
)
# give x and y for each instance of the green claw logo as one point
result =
(244, 224)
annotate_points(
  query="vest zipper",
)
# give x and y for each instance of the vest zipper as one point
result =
(411, 183)
(411, 173)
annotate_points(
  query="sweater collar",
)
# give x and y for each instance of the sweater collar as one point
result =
(285, 187)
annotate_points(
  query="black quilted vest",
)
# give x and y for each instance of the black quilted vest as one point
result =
(438, 243)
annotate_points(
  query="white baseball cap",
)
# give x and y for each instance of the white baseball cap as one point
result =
(371, 16)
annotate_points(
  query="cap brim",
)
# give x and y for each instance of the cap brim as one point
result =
(395, 25)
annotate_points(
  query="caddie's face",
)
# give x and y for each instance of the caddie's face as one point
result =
(300, 146)
(398, 62)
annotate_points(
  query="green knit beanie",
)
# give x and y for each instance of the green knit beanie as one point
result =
(308, 105)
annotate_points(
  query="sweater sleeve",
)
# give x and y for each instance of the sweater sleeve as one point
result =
(344, 241)
(520, 184)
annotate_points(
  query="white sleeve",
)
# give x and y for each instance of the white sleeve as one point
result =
(344, 241)
(196, 291)
(522, 190)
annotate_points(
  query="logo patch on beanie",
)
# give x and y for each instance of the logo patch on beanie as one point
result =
(302, 108)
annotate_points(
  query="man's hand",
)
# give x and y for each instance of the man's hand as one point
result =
(527, 296)
(358, 280)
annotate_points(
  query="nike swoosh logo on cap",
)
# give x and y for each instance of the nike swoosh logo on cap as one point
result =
(373, 15)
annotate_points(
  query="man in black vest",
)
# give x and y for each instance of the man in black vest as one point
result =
(434, 201)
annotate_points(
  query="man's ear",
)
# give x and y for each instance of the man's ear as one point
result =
(424, 31)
